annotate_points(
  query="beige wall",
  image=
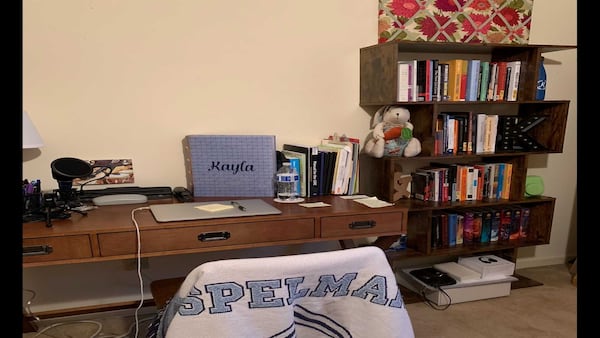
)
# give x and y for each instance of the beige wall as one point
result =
(129, 79)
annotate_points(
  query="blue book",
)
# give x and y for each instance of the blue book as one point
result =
(452, 226)
(473, 72)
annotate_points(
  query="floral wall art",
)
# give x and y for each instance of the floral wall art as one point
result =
(469, 21)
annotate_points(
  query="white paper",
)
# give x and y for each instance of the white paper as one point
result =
(373, 202)
(314, 205)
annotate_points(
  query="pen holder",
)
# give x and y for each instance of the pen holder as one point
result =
(32, 202)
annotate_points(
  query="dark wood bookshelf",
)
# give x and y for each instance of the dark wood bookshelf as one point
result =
(379, 87)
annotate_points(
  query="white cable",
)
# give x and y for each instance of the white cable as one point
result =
(139, 266)
(73, 322)
(28, 305)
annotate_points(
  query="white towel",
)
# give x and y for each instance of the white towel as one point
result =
(345, 293)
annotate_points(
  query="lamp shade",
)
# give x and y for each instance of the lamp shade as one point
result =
(31, 137)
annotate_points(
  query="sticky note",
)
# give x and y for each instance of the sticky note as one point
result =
(214, 207)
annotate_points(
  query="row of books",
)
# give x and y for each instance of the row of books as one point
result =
(479, 133)
(479, 225)
(329, 168)
(444, 182)
(457, 80)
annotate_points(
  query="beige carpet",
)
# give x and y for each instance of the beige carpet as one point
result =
(548, 311)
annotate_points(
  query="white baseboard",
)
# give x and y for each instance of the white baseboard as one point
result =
(523, 263)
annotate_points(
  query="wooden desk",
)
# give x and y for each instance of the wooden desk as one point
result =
(109, 233)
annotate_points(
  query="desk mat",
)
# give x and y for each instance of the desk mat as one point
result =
(189, 211)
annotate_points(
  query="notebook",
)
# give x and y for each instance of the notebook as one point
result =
(213, 209)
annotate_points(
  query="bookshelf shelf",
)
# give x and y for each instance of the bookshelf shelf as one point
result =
(379, 87)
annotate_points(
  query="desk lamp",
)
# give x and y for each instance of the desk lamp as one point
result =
(31, 137)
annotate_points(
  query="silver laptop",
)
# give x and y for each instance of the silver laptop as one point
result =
(190, 211)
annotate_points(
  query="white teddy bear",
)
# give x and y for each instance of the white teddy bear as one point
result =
(392, 134)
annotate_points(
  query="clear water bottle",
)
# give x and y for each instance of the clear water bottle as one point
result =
(287, 179)
(540, 92)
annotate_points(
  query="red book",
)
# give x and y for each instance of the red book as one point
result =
(500, 81)
(467, 226)
(463, 80)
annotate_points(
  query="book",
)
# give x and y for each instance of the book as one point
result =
(486, 225)
(452, 228)
(437, 184)
(460, 221)
(444, 81)
(423, 80)
(477, 225)
(343, 165)
(305, 153)
(295, 163)
(302, 169)
(480, 133)
(524, 227)
(513, 82)
(515, 225)
(463, 80)
(436, 85)
(404, 83)
(444, 229)
(454, 78)
(492, 81)
(488, 265)
(500, 85)
(495, 225)
(321, 174)
(467, 226)
(500, 169)
(484, 81)
(490, 132)
(436, 231)
(451, 174)
(505, 224)
(420, 187)
(353, 170)
(473, 72)
(505, 194)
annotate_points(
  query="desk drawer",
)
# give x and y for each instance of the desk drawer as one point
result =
(56, 248)
(185, 238)
(363, 225)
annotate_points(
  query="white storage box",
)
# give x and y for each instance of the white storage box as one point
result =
(488, 265)
(491, 287)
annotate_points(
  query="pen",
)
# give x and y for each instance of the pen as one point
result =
(239, 206)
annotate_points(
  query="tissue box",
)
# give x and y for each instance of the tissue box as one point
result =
(230, 165)
(475, 21)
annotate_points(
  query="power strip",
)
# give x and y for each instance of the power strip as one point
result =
(459, 272)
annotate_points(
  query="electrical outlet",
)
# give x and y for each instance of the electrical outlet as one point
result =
(131, 264)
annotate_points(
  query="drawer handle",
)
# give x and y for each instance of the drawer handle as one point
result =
(214, 236)
(362, 225)
(36, 250)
